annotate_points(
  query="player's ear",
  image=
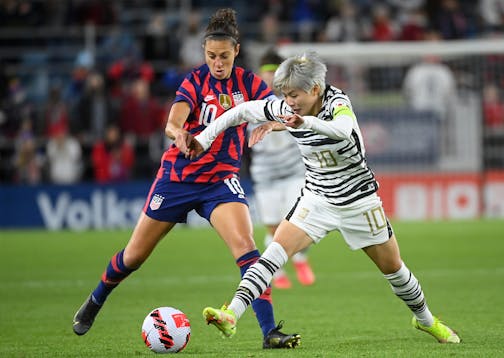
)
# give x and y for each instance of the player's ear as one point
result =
(237, 49)
(316, 90)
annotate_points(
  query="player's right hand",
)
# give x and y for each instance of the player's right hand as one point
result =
(186, 143)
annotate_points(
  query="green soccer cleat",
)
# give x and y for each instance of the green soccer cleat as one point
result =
(224, 319)
(277, 339)
(438, 330)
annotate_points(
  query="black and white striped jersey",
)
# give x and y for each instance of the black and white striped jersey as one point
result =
(331, 144)
(336, 168)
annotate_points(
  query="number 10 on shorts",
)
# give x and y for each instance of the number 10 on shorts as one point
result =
(376, 219)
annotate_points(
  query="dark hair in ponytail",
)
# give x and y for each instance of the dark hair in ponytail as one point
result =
(223, 25)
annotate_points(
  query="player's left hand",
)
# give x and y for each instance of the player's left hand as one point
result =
(260, 132)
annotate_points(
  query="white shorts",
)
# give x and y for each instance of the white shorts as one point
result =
(275, 200)
(362, 223)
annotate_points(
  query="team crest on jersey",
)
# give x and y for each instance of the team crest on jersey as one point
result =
(225, 101)
(156, 201)
(238, 98)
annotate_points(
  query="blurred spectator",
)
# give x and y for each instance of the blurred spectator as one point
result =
(382, 27)
(304, 18)
(450, 21)
(64, 157)
(94, 110)
(493, 107)
(74, 89)
(112, 158)
(492, 14)
(430, 86)
(15, 108)
(190, 43)
(413, 26)
(126, 70)
(269, 29)
(156, 42)
(55, 112)
(97, 12)
(28, 161)
(141, 114)
(343, 25)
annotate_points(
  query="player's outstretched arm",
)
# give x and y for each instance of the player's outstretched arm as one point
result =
(252, 112)
(339, 127)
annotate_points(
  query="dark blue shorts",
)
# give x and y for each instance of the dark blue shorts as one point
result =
(172, 201)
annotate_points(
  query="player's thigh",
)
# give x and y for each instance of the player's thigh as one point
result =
(232, 222)
(292, 238)
(147, 233)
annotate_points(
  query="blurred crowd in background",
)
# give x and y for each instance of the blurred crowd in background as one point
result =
(73, 111)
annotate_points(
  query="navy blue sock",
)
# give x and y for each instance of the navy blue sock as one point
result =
(116, 272)
(262, 306)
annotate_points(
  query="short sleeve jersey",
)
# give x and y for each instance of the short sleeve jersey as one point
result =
(208, 98)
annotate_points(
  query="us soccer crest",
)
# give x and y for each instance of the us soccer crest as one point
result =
(225, 101)
(156, 201)
(238, 98)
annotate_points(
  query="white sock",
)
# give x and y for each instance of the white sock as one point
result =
(268, 239)
(257, 278)
(407, 288)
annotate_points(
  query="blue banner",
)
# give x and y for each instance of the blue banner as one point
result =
(81, 207)
(75, 207)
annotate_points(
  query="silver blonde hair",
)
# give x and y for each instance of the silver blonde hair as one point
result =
(301, 71)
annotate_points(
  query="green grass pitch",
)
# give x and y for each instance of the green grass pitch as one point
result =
(349, 312)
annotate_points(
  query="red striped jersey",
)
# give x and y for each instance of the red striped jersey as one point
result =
(208, 98)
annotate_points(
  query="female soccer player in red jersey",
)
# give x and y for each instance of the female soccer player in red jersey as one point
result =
(209, 185)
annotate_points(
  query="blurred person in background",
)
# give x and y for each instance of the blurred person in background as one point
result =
(493, 107)
(211, 186)
(56, 113)
(112, 158)
(16, 108)
(278, 174)
(430, 86)
(190, 52)
(450, 20)
(95, 109)
(64, 157)
(141, 114)
(28, 160)
(492, 15)
(343, 23)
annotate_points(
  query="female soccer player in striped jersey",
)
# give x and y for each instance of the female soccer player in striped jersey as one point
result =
(339, 193)
(209, 185)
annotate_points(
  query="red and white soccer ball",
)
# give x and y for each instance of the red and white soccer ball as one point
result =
(166, 330)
